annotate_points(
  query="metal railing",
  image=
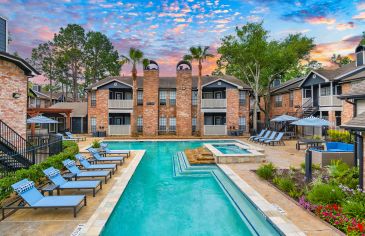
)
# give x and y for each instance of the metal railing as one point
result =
(120, 104)
(215, 129)
(214, 103)
(119, 129)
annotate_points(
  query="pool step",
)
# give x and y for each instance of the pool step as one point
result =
(182, 167)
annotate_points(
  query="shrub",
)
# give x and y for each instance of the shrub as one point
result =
(314, 166)
(340, 136)
(266, 171)
(325, 194)
(354, 209)
(95, 144)
(285, 184)
(341, 173)
(35, 172)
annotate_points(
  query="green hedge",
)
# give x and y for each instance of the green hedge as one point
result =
(35, 172)
(340, 136)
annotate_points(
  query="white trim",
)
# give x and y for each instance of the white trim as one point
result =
(313, 71)
(214, 110)
(211, 82)
(113, 80)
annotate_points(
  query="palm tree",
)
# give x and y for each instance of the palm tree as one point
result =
(135, 57)
(199, 54)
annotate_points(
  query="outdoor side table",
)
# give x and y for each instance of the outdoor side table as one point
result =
(69, 176)
(50, 188)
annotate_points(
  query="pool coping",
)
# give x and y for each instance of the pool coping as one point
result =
(98, 219)
(272, 213)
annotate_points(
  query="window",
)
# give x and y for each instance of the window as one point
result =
(337, 90)
(93, 124)
(162, 123)
(242, 124)
(291, 98)
(338, 117)
(324, 115)
(140, 124)
(37, 103)
(93, 99)
(242, 98)
(193, 124)
(172, 124)
(162, 97)
(173, 97)
(52, 127)
(307, 93)
(326, 91)
(194, 98)
(139, 97)
(278, 101)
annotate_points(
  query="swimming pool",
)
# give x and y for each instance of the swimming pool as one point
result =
(230, 149)
(157, 201)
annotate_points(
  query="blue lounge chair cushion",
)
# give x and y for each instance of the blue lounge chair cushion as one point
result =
(93, 173)
(80, 184)
(31, 195)
(97, 156)
(102, 166)
(69, 163)
(59, 201)
(55, 176)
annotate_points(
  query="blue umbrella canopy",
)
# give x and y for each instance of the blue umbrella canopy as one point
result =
(311, 121)
(284, 118)
(41, 120)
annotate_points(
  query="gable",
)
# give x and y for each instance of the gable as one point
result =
(115, 84)
(219, 84)
(313, 79)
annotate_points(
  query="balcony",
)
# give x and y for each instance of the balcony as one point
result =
(119, 129)
(214, 103)
(329, 101)
(215, 129)
(120, 104)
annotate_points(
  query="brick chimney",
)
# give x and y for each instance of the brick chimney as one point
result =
(184, 85)
(150, 99)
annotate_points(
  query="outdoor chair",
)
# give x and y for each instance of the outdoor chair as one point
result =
(257, 136)
(86, 164)
(271, 137)
(56, 178)
(99, 158)
(107, 151)
(267, 134)
(70, 136)
(71, 166)
(31, 196)
(278, 140)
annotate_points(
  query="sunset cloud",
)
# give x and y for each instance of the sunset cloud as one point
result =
(345, 26)
(320, 20)
(360, 16)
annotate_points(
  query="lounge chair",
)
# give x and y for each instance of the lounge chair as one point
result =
(28, 192)
(86, 164)
(107, 151)
(271, 137)
(277, 140)
(56, 178)
(267, 134)
(257, 136)
(70, 136)
(98, 157)
(71, 166)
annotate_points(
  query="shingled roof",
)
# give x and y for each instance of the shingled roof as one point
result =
(169, 82)
(287, 86)
(357, 123)
(332, 74)
(357, 90)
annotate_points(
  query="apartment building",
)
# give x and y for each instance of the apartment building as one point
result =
(168, 105)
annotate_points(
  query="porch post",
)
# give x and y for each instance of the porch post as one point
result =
(355, 149)
(331, 93)
(319, 95)
(361, 159)
(68, 121)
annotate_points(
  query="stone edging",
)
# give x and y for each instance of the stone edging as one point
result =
(279, 220)
(96, 222)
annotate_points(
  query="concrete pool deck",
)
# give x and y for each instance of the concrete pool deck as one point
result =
(61, 222)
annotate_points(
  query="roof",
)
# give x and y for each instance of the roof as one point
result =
(287, 86)
(169, 82)
(357, 123)
(357, 76)
(21, 63)
(357, 90)
(332, 74)
(79, 109)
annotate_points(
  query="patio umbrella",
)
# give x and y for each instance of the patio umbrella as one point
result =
(284, 118)
(311, 121)
(40, 120)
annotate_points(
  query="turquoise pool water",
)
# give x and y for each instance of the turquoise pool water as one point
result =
(156, 202)
(230, 149)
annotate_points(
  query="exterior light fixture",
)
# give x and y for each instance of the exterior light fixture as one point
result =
(16, 95)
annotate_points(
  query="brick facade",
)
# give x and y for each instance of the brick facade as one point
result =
(233, 106)
(13, 111)
(347, 108)
(183, 102)
(100, 111)
(150, 102)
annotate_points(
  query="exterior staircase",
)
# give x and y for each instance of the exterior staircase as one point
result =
(15, 151)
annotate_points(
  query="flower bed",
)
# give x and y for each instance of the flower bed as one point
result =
(332, 195)
(35, 172)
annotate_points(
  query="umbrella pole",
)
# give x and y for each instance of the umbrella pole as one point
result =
(32, 129)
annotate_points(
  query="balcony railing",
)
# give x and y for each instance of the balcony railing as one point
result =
(329, 101)
(119, 129)
(214, 103)
(120, 104)
(215, 130)
(337, 101)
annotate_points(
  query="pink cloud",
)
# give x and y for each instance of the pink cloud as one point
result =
(345, 26)
(320, 20)
(360, 16)
(45, 33)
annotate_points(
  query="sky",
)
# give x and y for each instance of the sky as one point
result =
(164, 30)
